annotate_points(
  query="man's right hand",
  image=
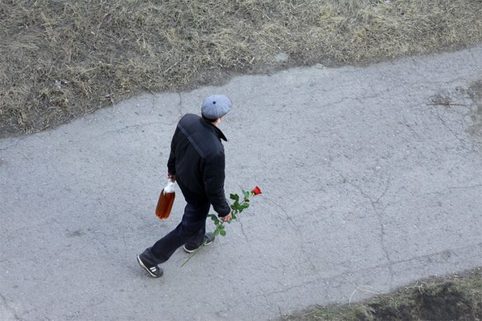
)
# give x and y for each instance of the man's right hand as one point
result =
(227, 218)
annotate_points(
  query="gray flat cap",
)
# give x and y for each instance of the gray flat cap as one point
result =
(215, 106)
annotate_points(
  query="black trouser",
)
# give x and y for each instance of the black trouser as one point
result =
(190, 231)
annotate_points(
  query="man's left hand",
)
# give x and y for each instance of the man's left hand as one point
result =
(227, 218)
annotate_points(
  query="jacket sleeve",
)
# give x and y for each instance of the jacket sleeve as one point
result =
(171, 163)
(213, 177)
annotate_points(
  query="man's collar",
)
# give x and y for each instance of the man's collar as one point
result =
(219, 133)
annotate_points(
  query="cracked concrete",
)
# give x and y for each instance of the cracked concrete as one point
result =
(7, 312)
(372, 178)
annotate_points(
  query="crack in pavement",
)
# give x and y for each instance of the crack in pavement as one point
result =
(243, 231)
(455, 135)
(411, 129)
(135, 126)
(9, 308)
(342, 100)
(368, 269)
(15, 143)
(449, 189)
(10, 146)
(379, 214)
(298, 232)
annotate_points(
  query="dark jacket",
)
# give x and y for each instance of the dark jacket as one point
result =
(197, 160)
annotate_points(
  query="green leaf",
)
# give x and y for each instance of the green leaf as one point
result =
(214, 218)
(234, 197)
(222, 232)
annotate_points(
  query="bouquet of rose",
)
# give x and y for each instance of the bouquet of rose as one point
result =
(239, 204)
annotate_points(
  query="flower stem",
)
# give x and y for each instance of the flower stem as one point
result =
(236, 208)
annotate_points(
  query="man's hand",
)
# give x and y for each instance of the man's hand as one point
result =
(227, 218)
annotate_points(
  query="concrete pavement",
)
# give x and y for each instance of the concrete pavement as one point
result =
(370, 179)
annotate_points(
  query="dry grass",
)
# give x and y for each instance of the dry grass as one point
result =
(456, 298)
(62, 59)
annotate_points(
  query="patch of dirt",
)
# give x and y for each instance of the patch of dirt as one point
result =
(454, 298)
(63, 59)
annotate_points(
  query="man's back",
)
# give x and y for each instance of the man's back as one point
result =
(203, 136)
(197, 159)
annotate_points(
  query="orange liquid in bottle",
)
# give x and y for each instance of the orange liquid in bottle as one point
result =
(164, 205)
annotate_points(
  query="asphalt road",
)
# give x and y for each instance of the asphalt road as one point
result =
(372, 178)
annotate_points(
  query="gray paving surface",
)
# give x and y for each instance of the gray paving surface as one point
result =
(368, 185)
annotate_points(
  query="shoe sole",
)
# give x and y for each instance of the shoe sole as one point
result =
(147, 269)
(192, 251)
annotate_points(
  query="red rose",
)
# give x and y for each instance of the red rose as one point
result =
(256, 190)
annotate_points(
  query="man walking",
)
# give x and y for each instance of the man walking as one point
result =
(197, 163)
